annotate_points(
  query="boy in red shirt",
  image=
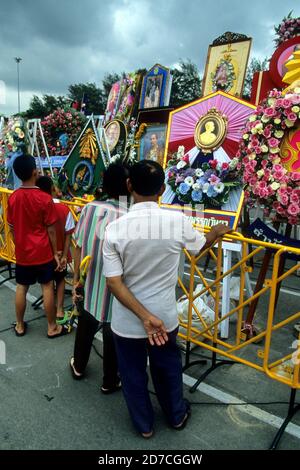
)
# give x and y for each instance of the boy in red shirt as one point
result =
(32, 217)
(64, 228)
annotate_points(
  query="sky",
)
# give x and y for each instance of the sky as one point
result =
(62, 42)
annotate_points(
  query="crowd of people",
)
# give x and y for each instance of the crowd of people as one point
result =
(135, 248)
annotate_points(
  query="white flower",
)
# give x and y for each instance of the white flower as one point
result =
(277, 121)
(254, 131)
(189, 180)
(264, 148)
(246, 136)
(275, 185)
(275, 150)
(265, 119)
(196, 186)
(279, 134)
(205, 187)
(219, 187)
(260, 173)
(180, 151)
(252, 118)
(233, 163)
(289, 123)
(295, 109)
(199, 172)
(180, 165)
(259, 126)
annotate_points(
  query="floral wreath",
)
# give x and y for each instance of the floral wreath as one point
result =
(230, 76)
(209, 185)
(287, 29)
(267, 181)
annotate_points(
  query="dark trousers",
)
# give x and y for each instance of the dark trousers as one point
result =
(166, 373)
(85, 332)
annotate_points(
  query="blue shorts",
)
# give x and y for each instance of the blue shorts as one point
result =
(29, 275)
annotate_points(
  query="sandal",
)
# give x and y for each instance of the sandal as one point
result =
(76, 375)
(107, 391)
(183, 423)
(23, 332)
(64, 319)
(147, 435)
(64, 331)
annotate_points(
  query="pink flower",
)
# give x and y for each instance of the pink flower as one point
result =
(294, 197)
(214, 179)
(257, 150)
(292, 117)
(293, 209)
(269, 112)
(213, 163)
(286, 103)
(284, 199)
(273, 142)
(295, 176)
(279, 103)
(225, 166)
(186, 159)
(267, 133)
(293, 220)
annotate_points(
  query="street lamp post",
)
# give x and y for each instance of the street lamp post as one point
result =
(18, 60)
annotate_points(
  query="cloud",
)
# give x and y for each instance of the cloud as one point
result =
(65, 41)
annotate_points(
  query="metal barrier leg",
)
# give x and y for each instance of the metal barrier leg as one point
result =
(11, 272)
(187, 358)
(37, 303)
(291, 413)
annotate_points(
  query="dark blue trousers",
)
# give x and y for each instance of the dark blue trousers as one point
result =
(166, 373)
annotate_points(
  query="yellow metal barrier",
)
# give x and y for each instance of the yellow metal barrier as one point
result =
(207, 336)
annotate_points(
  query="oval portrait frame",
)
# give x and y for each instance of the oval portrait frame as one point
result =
(91, 170)
(114, 122)
(220, 123)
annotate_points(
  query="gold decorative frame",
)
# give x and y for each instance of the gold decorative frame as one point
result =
(203, 136)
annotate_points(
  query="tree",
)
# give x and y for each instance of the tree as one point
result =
(108, 81)
(41, 107)
(90, 94)
(186, 85)
(255, 65)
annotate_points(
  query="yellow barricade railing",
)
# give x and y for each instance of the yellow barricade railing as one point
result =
(207, 335)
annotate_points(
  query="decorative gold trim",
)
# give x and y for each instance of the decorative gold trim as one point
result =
(205, 138)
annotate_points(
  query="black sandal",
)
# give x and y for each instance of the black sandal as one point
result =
(64, 331)
(24, 331)
(108, 391)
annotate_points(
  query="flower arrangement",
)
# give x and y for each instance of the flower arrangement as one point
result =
(287, 29)
(61, 130)
(209, 185)
(267, 181)
(14, 137)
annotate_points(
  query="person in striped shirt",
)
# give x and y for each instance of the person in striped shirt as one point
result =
(89, 237)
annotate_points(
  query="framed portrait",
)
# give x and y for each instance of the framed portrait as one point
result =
(112, 132)
(152, 143)
(116, 138)
(112, 102)
(226, 65)
(210, 131)
(156, 88)
(207, 133)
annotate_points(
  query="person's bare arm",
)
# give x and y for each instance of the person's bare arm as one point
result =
(216, 232)
(154, 327)
(52, 237)
(66, 250)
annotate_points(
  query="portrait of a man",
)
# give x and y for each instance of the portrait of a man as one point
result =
(112, 132)
(152, 145)
(210, 131)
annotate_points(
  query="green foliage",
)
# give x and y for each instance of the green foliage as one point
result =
(92, 96)
(41, 107)
(255, 65)
(186, 85)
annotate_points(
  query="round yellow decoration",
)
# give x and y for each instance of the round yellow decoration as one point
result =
(210, 131)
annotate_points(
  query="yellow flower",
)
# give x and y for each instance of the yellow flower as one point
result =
(277, 121)
(289, 123)
(275, 150)
(264, 148)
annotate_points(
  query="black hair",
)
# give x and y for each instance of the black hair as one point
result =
(24, 166)
(147, 177)
(115, 180)
(45, 183)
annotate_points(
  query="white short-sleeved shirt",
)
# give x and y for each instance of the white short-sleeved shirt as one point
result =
(144, 246)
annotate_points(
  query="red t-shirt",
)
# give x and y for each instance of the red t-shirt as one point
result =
(64, 225)
(30, 211)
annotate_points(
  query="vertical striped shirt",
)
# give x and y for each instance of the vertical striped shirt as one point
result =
(89, 236)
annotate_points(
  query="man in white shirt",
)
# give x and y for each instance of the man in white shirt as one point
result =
(141, 255)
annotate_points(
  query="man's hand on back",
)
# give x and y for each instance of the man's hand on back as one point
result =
(156, 331)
